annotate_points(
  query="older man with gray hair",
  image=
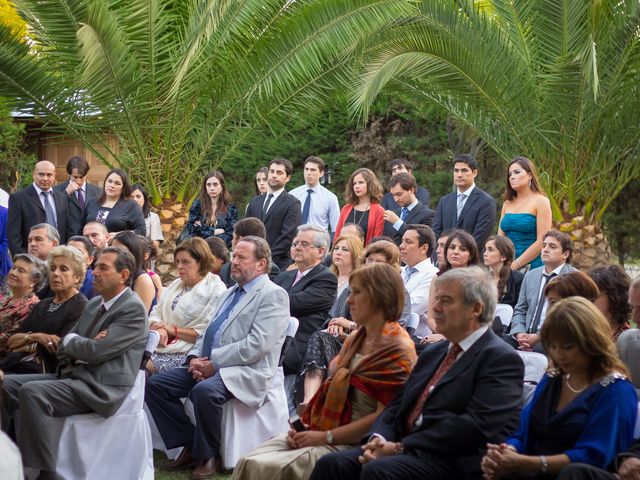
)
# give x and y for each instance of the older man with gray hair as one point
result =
(312, 289)
(462, 393)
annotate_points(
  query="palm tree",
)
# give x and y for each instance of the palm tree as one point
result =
(554, 80)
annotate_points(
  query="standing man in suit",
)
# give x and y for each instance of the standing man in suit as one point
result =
(236, 357)
(312, 290)
(462, 393)
(468, 207)
(37, 203)
(531, 309)
(99, 360)
(401, 165)
(78, 192)
(319, 205)
(402, 187)
(279, 211)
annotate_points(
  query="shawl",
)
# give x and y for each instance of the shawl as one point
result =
(12, 312)
(194, 309)
(378, 375)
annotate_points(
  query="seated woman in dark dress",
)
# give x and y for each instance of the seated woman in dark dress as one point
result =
(583, 411)
(499, 253)
(212, 214)
(115, 209)
(33, 350)
(142, 283)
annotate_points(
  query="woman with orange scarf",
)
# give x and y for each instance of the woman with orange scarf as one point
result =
(373, 363)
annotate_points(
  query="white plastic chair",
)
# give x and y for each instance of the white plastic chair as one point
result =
(505, 312)
(243, 427)
(95, 447)
(535, 366)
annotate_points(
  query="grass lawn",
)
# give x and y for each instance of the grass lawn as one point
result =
(185, 475)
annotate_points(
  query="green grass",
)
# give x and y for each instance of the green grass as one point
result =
(185, 475)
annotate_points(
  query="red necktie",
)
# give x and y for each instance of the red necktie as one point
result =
(444, 367)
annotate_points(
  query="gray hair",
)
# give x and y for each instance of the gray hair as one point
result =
(75, 257)
(39, 269)
(262, 250)
(478, 287)
(321, 237)
(52, 232)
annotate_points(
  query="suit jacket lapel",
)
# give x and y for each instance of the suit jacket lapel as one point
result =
(275, 204)
(412, 214)
(33, 196)
(242, 303)
(306, 279)
(413, 389)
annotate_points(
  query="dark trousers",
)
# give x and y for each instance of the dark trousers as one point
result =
(580, 471)
(344, 465)
(164, 392)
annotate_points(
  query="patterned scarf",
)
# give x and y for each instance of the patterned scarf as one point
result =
(378, 375)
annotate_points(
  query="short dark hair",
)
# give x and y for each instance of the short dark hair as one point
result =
(218, 248)
(124, 261)
(405, 180)
(199, 250)
(80, 164)
(317, 160)
(91, 250)
(468, 159)
(401, 162)
(425, 236)
(614, 283)
(565, 241)
(358, 228)
(288, 168)
(250, 226)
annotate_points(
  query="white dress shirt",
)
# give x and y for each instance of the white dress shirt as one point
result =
(50, 199)
(275, 194)
(418, 285)
(324, 210)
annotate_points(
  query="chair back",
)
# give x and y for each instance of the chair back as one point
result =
(152, 343)
(535, 365)
(505, 312)
(292, 328)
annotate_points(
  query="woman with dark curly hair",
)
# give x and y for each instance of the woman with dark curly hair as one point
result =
(613, 300)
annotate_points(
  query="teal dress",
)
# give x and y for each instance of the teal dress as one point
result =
(521, 230)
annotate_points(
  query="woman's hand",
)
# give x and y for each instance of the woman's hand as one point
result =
(50, 342)
(158, 326)
(433, 338)
(500, 460)
(341, 322)
(309, 438)
(164, 337)
(335, 330)
(218, 231)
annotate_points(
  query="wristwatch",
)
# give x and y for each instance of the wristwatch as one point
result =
(329, 437)
(544, 464)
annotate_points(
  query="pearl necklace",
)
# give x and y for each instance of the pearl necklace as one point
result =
(574, 390)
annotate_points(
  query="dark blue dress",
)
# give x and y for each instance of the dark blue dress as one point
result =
(521, 228)
(225, 221)
(593, 428)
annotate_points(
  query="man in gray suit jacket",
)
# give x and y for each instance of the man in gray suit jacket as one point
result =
(236, 357)
(531, 309)
(99, 360)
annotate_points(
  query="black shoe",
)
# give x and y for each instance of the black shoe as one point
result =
(185, 461)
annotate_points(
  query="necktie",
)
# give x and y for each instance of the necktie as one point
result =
(306, 207)
(444, 367)
(96, 319)
(533, 328)
(48, 210)
(403, 213)
(214, 326)
(266, 205)
(461, 197)
(81, 198)
(408, 271)
(298, 277)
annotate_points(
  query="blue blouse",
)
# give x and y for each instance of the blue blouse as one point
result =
(593, 428)
(521, 228)
(226, 221)
(87, 286)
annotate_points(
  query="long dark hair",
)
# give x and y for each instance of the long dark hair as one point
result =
(264, 170)
(224, 199)
(529, 167)
(146, 207)
(126, 185)
(132, 242)
(468, 242)
(504, 245)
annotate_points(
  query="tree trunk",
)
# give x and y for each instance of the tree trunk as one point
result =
(173, 218)
(590, 245)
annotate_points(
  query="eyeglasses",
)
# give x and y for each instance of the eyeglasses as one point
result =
(302, 244)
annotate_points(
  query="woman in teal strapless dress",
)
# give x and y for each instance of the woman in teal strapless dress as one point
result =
(526, 213)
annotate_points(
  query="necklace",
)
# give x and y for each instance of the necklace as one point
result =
(361, 216)
(574, 390)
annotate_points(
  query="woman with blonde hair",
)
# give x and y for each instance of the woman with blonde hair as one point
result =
(362, 194)
(583, 410)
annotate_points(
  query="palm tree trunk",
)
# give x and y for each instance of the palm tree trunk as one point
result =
(173, 218)
(590, 244)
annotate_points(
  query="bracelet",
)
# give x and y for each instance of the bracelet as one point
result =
(544, 464)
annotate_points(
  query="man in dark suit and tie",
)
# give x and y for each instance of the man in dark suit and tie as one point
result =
(402, 187)
(462, 393)
(98, 363)
(468, 207)
(37, 203)
(401, 165)
(78, 192)
(279, 211)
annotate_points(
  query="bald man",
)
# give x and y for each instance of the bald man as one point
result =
(38, 203)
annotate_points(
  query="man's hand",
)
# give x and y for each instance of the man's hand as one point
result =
(201, 368)
(526, 341)
(377, 448)
(101, 335)
(630, 469)
(50, 342)
(72, 188)
(390, 216)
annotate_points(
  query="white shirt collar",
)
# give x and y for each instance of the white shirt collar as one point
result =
(423, 265)
(39, 190)
(468, 191)
(413, 205)
(467, 342)
(556, 270)
(108, 304)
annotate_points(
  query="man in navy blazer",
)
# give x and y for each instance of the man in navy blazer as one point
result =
(27, 208)
(462, 393)
(279, 211)
(78, 192)
(469, 208)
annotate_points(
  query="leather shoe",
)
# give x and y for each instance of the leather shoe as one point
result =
(207, 469)
(184, 461)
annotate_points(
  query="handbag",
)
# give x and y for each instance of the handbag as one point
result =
(184, 234)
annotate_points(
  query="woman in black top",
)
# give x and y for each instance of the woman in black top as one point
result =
(114, 208)
(499, 253)
(33, 350)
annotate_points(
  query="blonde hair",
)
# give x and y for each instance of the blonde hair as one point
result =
(355, 246)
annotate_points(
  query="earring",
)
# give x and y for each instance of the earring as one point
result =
(529, 183)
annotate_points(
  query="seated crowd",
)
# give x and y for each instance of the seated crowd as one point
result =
(402, 335)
